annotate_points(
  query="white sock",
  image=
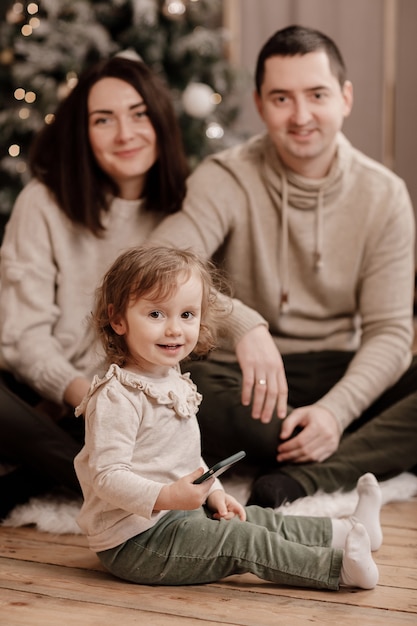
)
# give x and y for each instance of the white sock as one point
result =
(368, 508)
(366, 513)
(358, 566)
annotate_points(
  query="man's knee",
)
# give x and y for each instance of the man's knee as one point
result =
(226, 425)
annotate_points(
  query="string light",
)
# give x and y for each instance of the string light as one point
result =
(32, 8)
(72, 80)
(26, 30)
(34, 22)
(214, 131)
(174, 9)
(14, 16)
(14, 150)
(24, 113)
(30, 97)
(19, 93)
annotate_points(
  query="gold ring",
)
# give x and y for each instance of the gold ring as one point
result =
(261, 381)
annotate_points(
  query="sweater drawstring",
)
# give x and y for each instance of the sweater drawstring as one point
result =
(318, 253)
(283, 262)
(283, 266)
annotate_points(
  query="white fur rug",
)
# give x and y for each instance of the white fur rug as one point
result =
(58, 515)
(338, 504)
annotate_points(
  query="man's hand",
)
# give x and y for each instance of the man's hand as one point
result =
(318, 439)
(263, 374)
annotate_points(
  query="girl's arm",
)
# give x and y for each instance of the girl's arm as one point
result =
(183, 494)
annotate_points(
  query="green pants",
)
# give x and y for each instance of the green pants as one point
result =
(382, 441)
(189, 547)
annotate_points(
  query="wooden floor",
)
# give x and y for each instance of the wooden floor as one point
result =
(54, 580)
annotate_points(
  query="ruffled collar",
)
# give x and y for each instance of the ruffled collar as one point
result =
(176, 391)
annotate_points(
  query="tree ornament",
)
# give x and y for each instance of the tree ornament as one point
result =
(198, 100)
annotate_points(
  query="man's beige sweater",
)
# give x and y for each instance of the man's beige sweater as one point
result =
(328, 263)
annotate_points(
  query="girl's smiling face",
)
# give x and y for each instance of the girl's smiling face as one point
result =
(160, 333)
(121, 135)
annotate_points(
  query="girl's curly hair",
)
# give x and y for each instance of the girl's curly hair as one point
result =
(154, 272)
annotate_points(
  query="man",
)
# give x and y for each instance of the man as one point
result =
(319, 240)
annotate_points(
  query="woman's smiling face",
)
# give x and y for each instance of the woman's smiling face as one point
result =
(121, 135)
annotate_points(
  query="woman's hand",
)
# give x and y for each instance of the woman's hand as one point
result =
(183, 495)
(76, 391)
(225, 506)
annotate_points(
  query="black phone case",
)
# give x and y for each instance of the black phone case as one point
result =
(221, 467)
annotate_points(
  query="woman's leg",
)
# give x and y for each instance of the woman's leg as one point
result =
(43, 452)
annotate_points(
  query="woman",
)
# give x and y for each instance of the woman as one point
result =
(107, 170)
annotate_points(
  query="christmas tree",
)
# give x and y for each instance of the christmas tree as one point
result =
(44, 45)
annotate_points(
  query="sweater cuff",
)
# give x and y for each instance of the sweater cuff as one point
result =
(52, 382)
(341, 413)
(243, 319)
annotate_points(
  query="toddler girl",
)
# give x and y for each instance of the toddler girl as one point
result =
(142, 513)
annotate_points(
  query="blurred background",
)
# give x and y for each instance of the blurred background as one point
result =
(206, 50)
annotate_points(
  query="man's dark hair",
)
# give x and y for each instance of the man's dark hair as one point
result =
(299, 40)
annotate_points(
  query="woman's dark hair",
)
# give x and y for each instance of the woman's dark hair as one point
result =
(300, 40)
(61, 156)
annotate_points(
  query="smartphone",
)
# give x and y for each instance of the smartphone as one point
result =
(221, 467)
